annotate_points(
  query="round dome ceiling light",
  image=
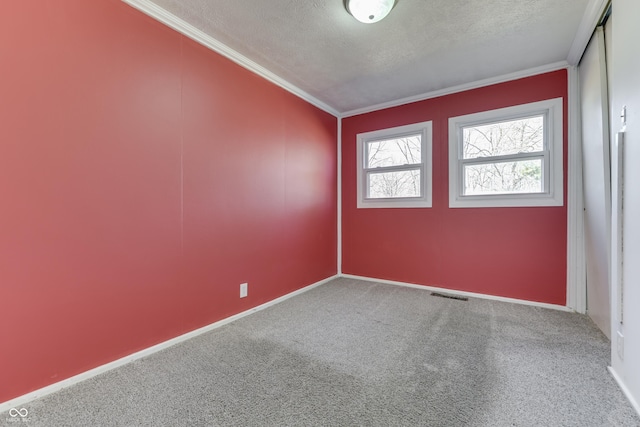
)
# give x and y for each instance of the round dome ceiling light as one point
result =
(369, 11)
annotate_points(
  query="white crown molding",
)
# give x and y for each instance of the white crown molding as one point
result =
(461, 88)
(149, 8)
(20, 401)
(590, 20)
(156, 12)
(460, 293)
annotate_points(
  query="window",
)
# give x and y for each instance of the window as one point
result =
(507, 157)
(394, 167)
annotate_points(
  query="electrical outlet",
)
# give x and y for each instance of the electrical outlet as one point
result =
(244, 290)
(620, 345)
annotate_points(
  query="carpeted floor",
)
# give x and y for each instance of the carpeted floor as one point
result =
(353, 353)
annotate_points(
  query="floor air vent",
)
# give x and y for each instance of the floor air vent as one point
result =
(438, 294)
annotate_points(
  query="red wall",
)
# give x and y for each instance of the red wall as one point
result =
(510, 252)
(142, 179)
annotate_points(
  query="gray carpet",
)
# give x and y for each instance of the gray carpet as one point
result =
(353, 353)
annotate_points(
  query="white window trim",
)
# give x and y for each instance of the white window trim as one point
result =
(553, 157)
(426, 129)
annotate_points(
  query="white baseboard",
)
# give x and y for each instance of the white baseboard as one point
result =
(20, 401)
(461, 293)
(625, 390)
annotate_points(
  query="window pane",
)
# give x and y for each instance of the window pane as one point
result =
(394, 184)
(503, 178)
(504, 138)
(395, 152)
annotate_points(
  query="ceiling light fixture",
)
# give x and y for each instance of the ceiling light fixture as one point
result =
(369, 11)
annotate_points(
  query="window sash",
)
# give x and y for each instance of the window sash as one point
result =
(545, 132)
(380, 170)
(368, 171)
(419, 175)
(545, 176)
(549, 158)
(365, 160)
(507, 158)
(394, 168)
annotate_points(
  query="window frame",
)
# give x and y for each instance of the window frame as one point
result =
(551, 155)
(425, 129)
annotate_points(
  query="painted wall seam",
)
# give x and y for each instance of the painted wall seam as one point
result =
(156, 12)
(76, 379)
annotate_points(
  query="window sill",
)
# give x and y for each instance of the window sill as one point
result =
(506, 201)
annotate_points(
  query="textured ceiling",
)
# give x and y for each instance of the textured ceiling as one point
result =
(422, 46)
